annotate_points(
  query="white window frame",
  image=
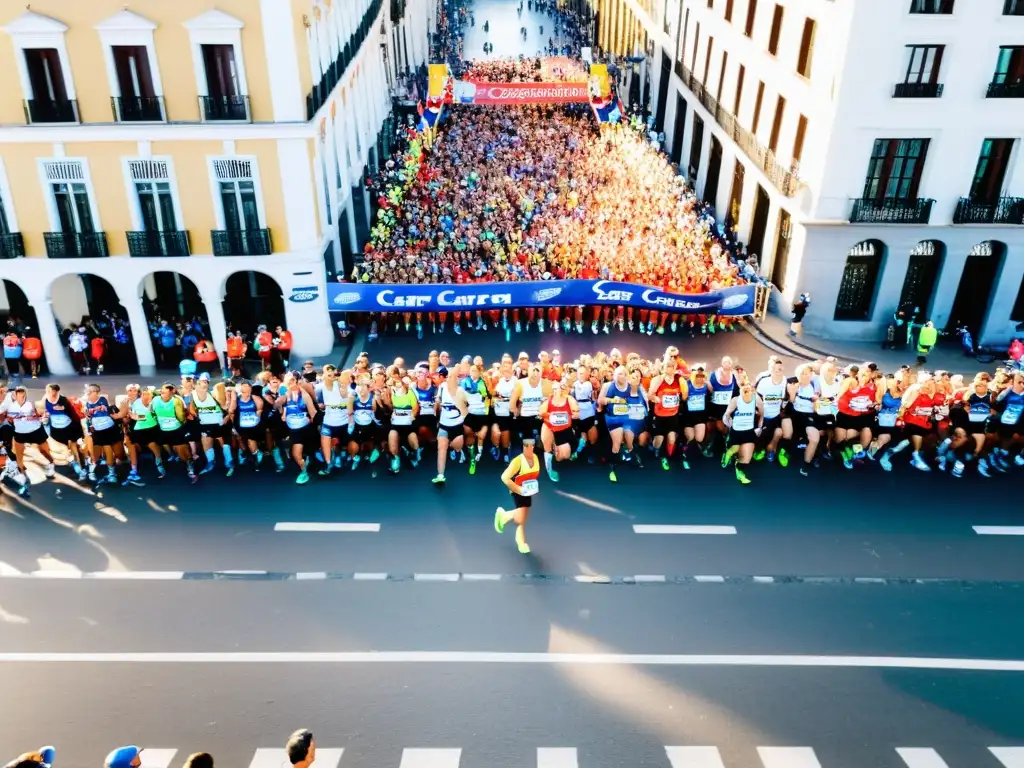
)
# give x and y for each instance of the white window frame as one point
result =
(133, 195)
(33, 30)
(51, 202)
(128, 28)
(215, 181)
(7, 200)
(216, 28)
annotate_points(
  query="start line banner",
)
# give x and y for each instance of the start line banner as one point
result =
(468, 92)
(380, 297)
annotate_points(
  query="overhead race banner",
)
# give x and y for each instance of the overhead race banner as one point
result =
(380, 297)
(467, 92)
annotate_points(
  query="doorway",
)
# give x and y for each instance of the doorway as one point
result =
(755, 244)
(781, 260)
(663, 77)
(714, 172)
(974, 294)
(678, 129)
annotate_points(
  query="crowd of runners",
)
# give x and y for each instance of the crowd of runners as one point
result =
(610, 409)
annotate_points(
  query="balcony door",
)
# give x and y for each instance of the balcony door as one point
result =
(1009, 66)
(131, 62)
(238, 200)
(894, 171)
(990, 172)
(221, 72)
(45, 75)
(5, 228)
(74, 214)
(156, 203)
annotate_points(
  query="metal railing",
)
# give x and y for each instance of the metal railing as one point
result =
(76, 245)
(154, 243)
(51, 111)
(12, 246)
(329, 79)
(917, 91)
(786, 180)
(1006, 90)
(241, 242)
(891, 210)
(1004, 210)
(137, 109)
(224, 108)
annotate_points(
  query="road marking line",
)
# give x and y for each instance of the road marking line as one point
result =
(999, 530)
(481, 577)
(591, 578)
(707, 530)
(430, 758)
(276, 757)
(157, 758)
(370, 576)
(917, 757)
(241, 573)
(435, 577)
(763, 579)
(557, 757)
(1011, 757)
(649, 578)
(136, 575)
(694, 757)
(710, 579)
(311, 576)
(497, 657)
(64, 574)
(327, 527)
(788, 757)
(870, 580)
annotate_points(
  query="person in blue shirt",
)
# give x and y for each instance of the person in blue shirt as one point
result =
(166, 345)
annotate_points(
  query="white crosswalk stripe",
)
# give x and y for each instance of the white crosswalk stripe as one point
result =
(157, 758)
(557, 757)
(430, 758)
(275, 757)
(788, 757)
(694, 757)
(918, 757)
(1011, 757)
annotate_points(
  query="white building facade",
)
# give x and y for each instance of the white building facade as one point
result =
(868, 151)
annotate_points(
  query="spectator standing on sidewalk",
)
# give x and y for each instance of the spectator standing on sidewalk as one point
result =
(926, 342)
(796, 326)
(167, 345)
(13, 348)
(78, 344)
(32, 352)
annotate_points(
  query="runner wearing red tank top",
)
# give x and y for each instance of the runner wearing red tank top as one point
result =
(665, 395)
(858, 398)
(917, 411)
(557, 414)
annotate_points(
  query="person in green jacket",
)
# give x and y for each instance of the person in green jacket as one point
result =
(926, 341)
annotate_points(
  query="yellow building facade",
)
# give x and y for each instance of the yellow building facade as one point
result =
(197, 138)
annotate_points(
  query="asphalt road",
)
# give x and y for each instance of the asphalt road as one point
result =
(798, 620)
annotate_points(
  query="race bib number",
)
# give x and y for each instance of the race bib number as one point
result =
(695, 403)
(887, 419)
(670, 401)
(637, 412)
(721, 397)
(60, 420)
(530, 487)
(620, 409)
(501, 408)
(1011, 415)
(559, 419)
(248, 419)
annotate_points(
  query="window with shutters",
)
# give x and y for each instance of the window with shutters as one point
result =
(860, 281)
(156, 204)
(71, 209)
(238, 194)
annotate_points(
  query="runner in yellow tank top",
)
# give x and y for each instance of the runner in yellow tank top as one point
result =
(522, 478)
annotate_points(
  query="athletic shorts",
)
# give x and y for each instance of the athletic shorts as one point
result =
(503, 423)
(975, 427)
(1009, 431)
(451, 431)
(662, 425)
(716, 412)
(427, 422)
(802, 421)
(477, 421)
(403, 431)
(615, 423)
(563, 437)
(693, 418)
(587, 424)
(68, 434)
(37, 436)
(858, 422)
(770, 425)
(742, 436)
(305, 436)
(339, 431)
(824, 421)
(635, 426)
(215, 431)
(526, 426)
(193, 430)
(913, 430)
(521, 501)
(105, 437)
(256, 434)
(362, 433)
(146, 436)
(174, 438)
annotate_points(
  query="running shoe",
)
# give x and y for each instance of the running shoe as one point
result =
(664, 463)
(374, 455)
(759, 455)
(50, 470)
(472, 466)
(396, 464)
(439, 480)
(783, 458)
(686, 463)
(230, 470)
(983, 468)
(742, 476)
(886, 463)
(303, 478)
(553, 474)
(499, 520)
(1019, 459)
(207, 469)
(612, 476)
(958, 469)
(524, 548)
(918, 463)
(325, 471)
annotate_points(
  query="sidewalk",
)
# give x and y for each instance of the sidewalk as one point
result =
(773, 332)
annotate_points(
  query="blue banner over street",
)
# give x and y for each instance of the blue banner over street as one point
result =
(380, 297)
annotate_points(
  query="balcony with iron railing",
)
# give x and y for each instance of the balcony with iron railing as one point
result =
(76, 245)
(1004, 210)
(215, 109)
(137, 109)
(12, 246)
(917, 91)
(321, 90)
(153, 243)
(51, 111)
(891, 210)
(786, 180)
(241, 242)
(1014, 90)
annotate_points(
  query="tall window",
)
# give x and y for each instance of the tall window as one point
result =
(780, 110)
(993, 161)
(923, 63)
(803, 61)
(1009, 65)
(1013, 7)
(49, 101)
(860, 281)
(757, 107)
(70, 196)
(151, 179)
(931, 6)
(237, 194)
(135, 82)
(776, 33)
(5, 228)
(798, 141)
(696, 44)
(739, 90)
(707, 59)
(748, 29)
(721, 76)
(728, 10)
(894, 171)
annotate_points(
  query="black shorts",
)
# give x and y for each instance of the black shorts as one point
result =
(6, 433)
(563, 437)
(801, 422)
(1009, 431)
(503, 423)
(403, 431)
(527, 426)
(693, 418)
(716, 412)
(255, 434)
(146, 436)
(824, 421)
(663, 425)
(521, 501)
(770, 425)
(587, 424)
(362, 433)
(426, 421)
(856, 423)
(742, 436)
(37, 436)
(193, 430)
(477, 421)
(913, 430)
(975, 427)
(68, 434)
(215, 431)
(305, 436)
(451, 432)
(105, 437)
(174, 437)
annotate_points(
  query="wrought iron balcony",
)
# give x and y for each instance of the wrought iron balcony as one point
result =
(138, 109)
(933, 7)
(12, 246)
(786, 180)
(224, 108)
(1006, 90)
(153, 243)
(891, 210)
(51, 111)
(241, 242)
(917, 91)
(1004, 210)
(76, 245)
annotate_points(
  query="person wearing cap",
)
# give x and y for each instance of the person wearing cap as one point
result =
(124, 757)
(522, 478)
(453, 406)
(41, 758)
